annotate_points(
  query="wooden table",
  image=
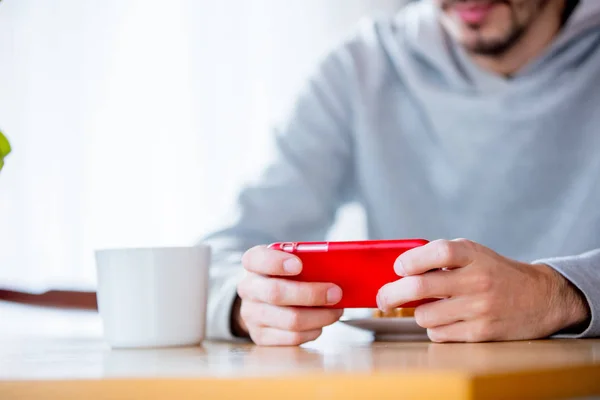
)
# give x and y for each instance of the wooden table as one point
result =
(53, 354)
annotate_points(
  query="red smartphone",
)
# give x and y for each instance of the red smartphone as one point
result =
(359, 268)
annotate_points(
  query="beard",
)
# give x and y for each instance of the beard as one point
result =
(497, 47)
(517, 27)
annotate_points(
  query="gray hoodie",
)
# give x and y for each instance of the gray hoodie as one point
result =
(400, 120)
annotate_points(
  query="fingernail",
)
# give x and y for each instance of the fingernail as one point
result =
(334, 295)
(292, 266)
(399, 268)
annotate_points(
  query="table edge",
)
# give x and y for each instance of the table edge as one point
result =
(542, 383)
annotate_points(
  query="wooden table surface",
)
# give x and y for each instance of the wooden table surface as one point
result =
(54, 354)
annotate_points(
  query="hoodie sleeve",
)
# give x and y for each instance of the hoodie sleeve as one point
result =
(296, 197)
(583, 271)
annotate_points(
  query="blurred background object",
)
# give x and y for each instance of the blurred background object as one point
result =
(4, 148)
(137, 121)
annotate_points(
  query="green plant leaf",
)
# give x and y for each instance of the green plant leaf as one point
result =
(4, 149)
(4, 146)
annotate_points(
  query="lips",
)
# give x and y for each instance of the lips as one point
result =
(473, 12)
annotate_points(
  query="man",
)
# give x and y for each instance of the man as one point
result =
(453, 119)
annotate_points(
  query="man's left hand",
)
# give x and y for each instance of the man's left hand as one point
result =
(483, 295)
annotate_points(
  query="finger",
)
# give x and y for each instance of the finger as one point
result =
(436, 284)
(474, 331)
(290, 318)
(282, 292)
(265, 261)
(435, 255)
(264, 336)
(445, 312)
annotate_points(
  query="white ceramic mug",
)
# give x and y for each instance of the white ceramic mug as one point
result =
(153, 297)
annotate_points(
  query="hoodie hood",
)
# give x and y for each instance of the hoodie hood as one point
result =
(585, 17)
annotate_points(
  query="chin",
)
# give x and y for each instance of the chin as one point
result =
(471, 38)
(492, 35)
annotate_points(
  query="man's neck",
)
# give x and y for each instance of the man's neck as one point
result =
(537, 38)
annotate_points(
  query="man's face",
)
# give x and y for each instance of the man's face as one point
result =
(489, 27)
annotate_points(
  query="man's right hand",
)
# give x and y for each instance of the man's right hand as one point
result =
(280, 312)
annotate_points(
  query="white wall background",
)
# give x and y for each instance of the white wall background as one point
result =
(133, 123)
